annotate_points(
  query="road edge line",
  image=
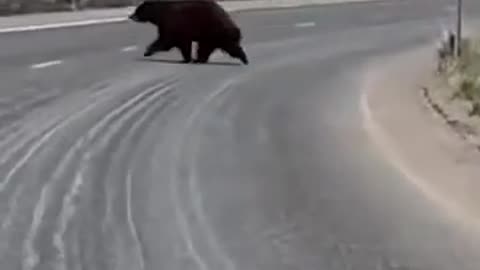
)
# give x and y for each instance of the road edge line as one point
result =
(36, 27)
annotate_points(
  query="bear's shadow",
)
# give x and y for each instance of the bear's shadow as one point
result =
(180, 62)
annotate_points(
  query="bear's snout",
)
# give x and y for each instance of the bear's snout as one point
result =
(134, 18)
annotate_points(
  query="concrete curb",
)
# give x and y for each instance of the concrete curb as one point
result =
(24, 23)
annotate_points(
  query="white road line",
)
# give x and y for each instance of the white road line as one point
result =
(129, 48)
(60, 25)
(305, 24)
(46, 64)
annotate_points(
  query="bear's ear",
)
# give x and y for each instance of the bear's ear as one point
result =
(143, 3)
(147, 2)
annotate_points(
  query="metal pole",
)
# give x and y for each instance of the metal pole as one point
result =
(459, 27)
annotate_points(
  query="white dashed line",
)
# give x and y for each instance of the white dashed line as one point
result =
(305, 24)
(129, 48)
(46, 64)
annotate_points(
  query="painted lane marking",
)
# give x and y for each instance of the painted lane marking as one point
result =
(60, 25)
(129, 48)
(305, 24)
(46, 64)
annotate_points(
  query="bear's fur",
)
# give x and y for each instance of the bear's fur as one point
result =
(181, 22)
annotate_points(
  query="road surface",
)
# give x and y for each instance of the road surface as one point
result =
(112, 161)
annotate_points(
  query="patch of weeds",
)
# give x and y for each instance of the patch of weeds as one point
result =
(468, 89)
(465, 72)
(475, 111)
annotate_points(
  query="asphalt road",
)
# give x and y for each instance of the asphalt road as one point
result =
(112, 161)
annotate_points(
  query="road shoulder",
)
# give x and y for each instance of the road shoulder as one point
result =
(415, 139)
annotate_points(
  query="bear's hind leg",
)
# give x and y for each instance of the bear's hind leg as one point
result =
(204, 51)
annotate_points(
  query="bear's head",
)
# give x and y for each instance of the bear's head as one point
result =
(143, 13)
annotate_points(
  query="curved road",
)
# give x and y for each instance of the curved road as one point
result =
(112, 161)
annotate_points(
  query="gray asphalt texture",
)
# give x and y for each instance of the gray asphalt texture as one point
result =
(112, 161)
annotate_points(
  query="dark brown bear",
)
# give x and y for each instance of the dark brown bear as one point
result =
(181, 22)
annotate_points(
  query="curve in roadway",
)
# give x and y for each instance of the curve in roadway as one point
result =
(111, 161)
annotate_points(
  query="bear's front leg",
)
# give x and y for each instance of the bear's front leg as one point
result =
(157, 46)
(186, 51)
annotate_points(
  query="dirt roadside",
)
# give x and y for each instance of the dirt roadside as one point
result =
(415, 138)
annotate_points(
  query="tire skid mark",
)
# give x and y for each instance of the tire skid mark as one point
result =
(20, 146)
(31, 258)
(131, 224)
(67, 206)
(99, 95)
(147, 100)
(130, 137)
(92, 134)
(70, 194)
(22, 131)
(141, 115)
(42, 136)
(195, 194)
(30, 255)
(67, 212)
(102, 126)
(130, 103)
(40, 208)
(127, 115)
(19, 138)
(9, 209)
(38, 139)
(182, 217)
(7, 154)
(13, 204)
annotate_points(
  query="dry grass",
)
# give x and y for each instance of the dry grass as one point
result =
(464, 75)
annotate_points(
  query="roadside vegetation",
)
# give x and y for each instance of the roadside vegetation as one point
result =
(462, 74)
(455, 93)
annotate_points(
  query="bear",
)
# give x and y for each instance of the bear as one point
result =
(181, 22)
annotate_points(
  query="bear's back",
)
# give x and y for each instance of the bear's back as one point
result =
(200, 14)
